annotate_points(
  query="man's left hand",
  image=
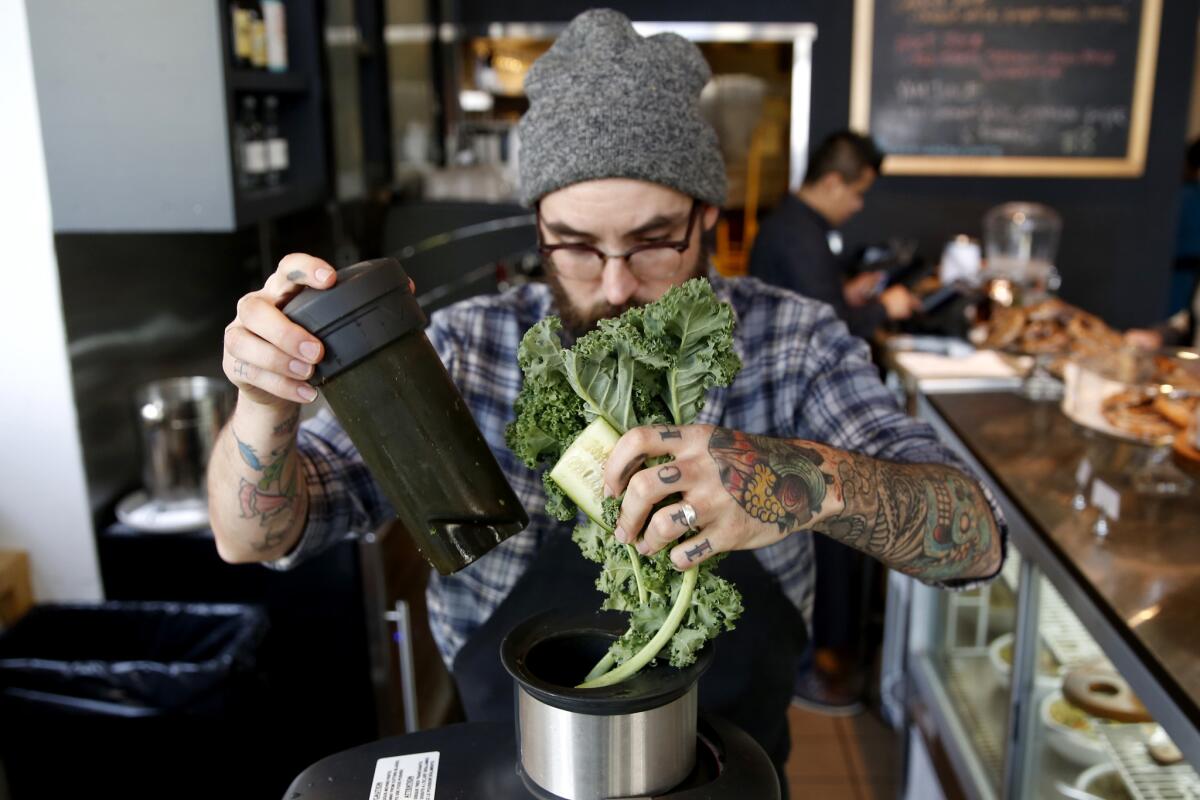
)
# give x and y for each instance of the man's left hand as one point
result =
(739, 497)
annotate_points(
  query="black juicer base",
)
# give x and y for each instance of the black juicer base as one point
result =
(478, 760)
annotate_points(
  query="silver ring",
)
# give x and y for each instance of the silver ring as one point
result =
(689, 515)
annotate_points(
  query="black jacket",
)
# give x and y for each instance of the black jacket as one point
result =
(792, 251)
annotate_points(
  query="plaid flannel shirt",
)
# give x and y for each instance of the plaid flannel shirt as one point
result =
(803, 376)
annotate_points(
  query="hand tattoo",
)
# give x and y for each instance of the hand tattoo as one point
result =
(695, 552)
(241, 368)
(295, 275)
(669, 474)
(774, 481)
(666, 432)
(680, 519)
(288, 425)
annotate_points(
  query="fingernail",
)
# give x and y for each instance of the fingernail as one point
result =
(643, 548)
(299, 367)
(310, 350)
(307, 393)
(607, 492)
(621, 535)
(323, 274)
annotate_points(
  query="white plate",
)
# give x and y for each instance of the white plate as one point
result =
(1082, 400)
(139, 511)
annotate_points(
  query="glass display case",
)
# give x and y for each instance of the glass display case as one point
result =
(1095, 609)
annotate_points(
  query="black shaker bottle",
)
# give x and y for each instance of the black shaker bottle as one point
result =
(388, 388)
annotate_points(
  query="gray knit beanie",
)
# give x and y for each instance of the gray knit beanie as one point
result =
(605, 102)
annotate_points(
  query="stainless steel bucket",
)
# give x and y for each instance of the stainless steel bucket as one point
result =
(633, 739)
(179, 420)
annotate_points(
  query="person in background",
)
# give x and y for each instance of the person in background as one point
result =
(798, 246)
(1180, 329)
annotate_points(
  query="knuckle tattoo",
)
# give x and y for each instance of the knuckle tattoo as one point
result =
(698, 551)
(666, 432)
(669, 473)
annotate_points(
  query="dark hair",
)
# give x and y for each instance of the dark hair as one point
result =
(846, 153)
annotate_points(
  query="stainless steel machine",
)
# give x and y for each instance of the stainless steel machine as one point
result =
(642, 738)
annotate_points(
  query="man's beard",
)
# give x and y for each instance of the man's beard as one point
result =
(576, 321)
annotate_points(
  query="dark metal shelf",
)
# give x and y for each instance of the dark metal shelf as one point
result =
(278, 82)
(259, 204)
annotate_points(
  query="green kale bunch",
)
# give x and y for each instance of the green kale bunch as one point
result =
(651, 365)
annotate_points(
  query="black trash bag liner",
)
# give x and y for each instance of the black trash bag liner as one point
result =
(164, 656)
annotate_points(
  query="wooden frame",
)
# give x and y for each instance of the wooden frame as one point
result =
(1131, 166)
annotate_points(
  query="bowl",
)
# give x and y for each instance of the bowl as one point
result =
(1103, 782)
(1070, 731)
(1049, 674)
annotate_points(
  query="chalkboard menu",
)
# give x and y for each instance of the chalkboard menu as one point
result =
(1006, 87)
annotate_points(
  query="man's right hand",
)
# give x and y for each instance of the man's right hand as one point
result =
(257, 496)
(860, 289)
(267, 356)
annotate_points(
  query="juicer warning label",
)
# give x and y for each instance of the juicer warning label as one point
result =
(410, 777)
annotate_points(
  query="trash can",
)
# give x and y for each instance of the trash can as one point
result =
(129, 699)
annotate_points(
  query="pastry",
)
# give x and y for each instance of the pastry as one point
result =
(1133, 412)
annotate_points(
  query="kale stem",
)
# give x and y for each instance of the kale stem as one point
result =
(636, 562)
(644, 656)
(602, 666)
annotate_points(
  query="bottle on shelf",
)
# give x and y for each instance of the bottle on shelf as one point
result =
(250, 146)
(275, 20)
(241, 17)
(258, 42)
(276, 144)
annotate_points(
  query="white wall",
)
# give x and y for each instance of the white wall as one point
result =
(144, 89)
(43, 496)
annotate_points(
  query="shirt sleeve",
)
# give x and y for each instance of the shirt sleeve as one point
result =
(846, 406)
(344, 500)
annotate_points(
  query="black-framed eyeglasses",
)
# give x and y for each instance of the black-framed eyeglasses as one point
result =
(647, 261)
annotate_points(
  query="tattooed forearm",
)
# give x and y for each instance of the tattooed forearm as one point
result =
(927, 520)
(288, 425)
(270, 495)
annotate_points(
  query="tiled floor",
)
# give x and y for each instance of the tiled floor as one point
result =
(851, 758)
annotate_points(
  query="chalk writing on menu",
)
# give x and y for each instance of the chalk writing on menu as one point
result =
(1006, 86)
